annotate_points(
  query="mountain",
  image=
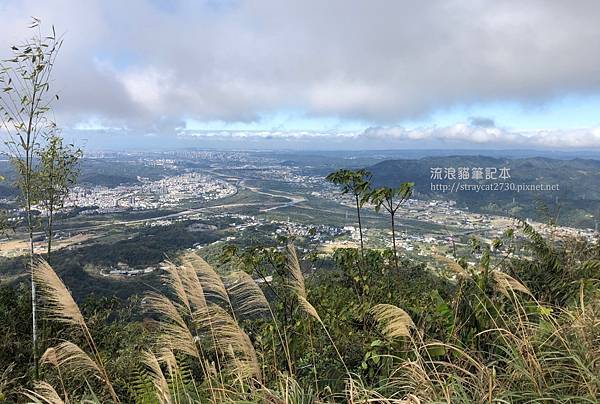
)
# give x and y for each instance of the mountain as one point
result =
(575, 199)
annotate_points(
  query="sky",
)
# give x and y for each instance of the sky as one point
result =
(314, 74)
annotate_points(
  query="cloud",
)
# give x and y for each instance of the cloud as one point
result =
(435, 137)
(492, 136)
(136, 63)
(482, 122)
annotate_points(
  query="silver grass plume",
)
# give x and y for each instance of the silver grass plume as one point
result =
(70, 357)
(161, 386)
(230, 337)
(175, 333)
(43, 392)
(175, 284)
(293, 266)
(193, 287)
(56, 301)
(506, 283)
(393, 321)
(210, 280)
(248, 296)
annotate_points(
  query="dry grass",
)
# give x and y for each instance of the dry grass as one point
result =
(534, 358)
(297, 284)
(193, 287)
(161, 386)
(232, 342)
(506, 284)
(393, 321)
(174, 331)
(56, 303)
(72, 358)
(174, 282)
(210, 280)
(43, 393)
(248, 296)
(296, 280)
(205, 331)
(309, 309)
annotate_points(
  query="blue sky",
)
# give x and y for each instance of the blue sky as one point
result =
(562, 113)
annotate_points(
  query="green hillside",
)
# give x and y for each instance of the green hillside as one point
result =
(575, 203)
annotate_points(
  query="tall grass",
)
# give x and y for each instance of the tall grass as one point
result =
(204, 352)
(56, 303)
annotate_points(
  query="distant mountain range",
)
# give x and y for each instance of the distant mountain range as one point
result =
(576, 202)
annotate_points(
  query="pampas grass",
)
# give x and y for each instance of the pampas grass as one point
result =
(249, 300)
(71, 357)
(297, 284)
(506, 284)
(43, 393)
(58, 304)
(393, 321)
(211, 282)
(309, 309)
(232, 340)
(193, 287)
(248, 297)
(174, 331)
(527, 354)
(167, 357)
(296, 280)
(161, 386)
(175, 284)
(205, 323)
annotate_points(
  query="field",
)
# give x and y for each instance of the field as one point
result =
(280, 195)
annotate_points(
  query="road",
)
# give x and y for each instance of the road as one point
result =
(95, 229)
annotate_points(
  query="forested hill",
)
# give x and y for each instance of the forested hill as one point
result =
(576, 202)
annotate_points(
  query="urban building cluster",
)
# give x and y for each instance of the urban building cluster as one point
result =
(168, 192)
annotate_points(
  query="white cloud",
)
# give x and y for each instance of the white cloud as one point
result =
(378, 61)
(147, 87)
(462, 132)
(459, 135)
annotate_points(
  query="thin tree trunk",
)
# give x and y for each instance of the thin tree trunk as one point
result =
(362, 253)
(394, 241)
(33, 290)
(31, 251)
(360, 228)
(50, 231)
(28, 172)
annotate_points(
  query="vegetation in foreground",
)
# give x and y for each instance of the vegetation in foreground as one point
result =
(505, 330)
(374, 328)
